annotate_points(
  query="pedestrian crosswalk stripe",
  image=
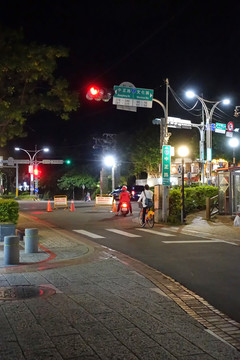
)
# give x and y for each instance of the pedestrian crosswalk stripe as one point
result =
(192, 241)
(87, 233)
(124, 233)
(155, 232)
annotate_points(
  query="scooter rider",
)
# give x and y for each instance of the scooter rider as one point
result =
(124, 197)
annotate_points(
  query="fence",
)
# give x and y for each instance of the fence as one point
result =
(212, 207)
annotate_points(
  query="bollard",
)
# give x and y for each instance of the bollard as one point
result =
(31, 241)
(11, 250)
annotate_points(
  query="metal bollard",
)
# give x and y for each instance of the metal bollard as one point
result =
(11, 250)
(31, 241)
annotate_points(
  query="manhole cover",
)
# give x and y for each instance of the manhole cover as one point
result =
(24, 292)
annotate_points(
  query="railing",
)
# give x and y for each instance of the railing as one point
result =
(211, 207)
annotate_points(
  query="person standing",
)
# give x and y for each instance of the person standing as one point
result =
(146, 193)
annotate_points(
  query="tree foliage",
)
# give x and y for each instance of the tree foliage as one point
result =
(70, 181)
(28, 83)
(145, 153)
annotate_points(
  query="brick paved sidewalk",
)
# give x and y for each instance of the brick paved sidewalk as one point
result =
(93, 303)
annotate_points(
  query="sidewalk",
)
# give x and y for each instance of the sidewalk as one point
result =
(79, 300)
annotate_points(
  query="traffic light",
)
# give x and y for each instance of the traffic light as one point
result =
(68, 162)
(98, 94)
(37, 172)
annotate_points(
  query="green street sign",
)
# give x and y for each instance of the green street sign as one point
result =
(220, 128)
(131, 96)
(166, 164)
(133, 93)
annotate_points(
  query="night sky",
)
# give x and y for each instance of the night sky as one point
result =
(195, 44)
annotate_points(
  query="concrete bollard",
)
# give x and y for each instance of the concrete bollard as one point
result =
(31, 241)
(11, 250)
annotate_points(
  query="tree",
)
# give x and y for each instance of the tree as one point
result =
(145, 153)
(72, 181)
(28, 83)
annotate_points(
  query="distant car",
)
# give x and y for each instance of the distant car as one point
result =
(136, 191)
(116, 192)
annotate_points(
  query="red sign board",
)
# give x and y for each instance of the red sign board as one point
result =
(230, 126)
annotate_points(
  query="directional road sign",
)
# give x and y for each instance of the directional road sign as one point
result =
(132, 96)
(220, 128)
(166, 164)
(47, 161)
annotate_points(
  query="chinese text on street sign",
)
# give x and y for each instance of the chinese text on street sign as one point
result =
(220, 128)
(132, 96)
(166, 161)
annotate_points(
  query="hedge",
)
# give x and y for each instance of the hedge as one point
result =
(9, 211)
(194, 199)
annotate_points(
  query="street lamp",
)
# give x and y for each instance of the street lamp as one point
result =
(111, 162)
(33, 161)
(190, 94)
(234, 142)
(183, 151)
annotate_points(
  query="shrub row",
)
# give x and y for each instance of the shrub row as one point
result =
(194, 199)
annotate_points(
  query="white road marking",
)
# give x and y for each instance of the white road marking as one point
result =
(124, 233)
(155, 232)
(87, 233)
(193, 241)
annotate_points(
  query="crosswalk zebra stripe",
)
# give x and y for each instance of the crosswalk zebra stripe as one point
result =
(124, 233)
(191, 241)
(155, 232)
(87, 233)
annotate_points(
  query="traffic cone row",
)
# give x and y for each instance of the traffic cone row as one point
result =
(49, 206)
(72, 207)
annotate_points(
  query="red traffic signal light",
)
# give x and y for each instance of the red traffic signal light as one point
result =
(37, 172)
(96, 93)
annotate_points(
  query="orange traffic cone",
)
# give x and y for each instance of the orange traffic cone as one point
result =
(114, 206)
(72, 208)
(49, 206)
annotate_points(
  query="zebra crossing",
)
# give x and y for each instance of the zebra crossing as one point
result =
(165, 233)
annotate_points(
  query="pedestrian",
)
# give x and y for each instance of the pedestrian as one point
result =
(146, 194)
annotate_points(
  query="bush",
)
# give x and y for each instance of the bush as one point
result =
(194, 199)
(9, 211)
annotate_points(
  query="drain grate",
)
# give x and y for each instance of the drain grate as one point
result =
(24, 292)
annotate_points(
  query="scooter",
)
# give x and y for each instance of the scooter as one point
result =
(124, 208)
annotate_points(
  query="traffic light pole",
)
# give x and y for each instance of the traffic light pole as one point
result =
(164, 137)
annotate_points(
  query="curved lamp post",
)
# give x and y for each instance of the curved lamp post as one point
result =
(183, 151)
(33, 161)
(190, 94)
(234, 142)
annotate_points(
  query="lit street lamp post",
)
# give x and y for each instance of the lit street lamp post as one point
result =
(110, 161)
(208, 115)
(183, 152)
(33, 161)
(233, 142)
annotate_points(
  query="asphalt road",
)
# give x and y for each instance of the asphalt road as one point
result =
(205, 266)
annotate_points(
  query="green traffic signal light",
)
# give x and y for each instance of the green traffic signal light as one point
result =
(68, 161)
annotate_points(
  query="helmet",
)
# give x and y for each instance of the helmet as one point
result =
(124, 188)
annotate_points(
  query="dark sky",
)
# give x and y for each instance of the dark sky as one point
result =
(192, 43)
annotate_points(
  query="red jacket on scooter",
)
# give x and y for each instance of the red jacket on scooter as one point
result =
(124, 197)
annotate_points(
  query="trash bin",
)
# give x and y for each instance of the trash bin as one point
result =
(11, 250)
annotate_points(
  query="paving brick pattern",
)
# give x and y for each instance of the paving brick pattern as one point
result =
(107, 306)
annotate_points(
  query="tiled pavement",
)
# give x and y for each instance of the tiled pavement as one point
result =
(95, 303)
